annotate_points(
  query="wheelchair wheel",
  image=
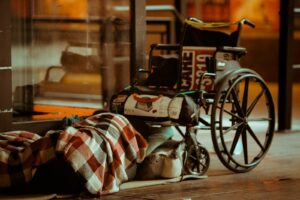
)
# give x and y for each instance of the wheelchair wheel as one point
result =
(242, 121)
(197, 161)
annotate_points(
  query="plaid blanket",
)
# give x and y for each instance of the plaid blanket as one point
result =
(100, 148)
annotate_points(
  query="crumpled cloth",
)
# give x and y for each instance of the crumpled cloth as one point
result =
(100, 148)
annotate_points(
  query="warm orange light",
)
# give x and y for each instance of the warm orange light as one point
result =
(265, 13)
(61, 8)
(59, 112)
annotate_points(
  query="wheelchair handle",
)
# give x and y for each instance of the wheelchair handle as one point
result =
(247, 22)
(141, 99)
(194, 19)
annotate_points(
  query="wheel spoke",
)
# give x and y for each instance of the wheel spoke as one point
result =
(236, 103)
(253, 104)
(255, 138)
(193, 157)
(230, 113)
(235, 140)
(195, 164)
(203, 165)
(245, 146)
(198, 155)
(245, 95)
(198, 168)
(233, 127)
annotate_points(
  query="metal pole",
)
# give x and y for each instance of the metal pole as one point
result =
(137, 37)
(285, 64)
(178, 24)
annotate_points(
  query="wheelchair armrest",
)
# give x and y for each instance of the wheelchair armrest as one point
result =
(235, 50)
(170, 47)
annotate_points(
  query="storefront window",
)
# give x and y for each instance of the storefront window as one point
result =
(68, 56)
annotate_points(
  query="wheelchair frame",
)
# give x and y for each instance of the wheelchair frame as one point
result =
(240, 105)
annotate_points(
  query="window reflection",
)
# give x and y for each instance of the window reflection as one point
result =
(63, 53)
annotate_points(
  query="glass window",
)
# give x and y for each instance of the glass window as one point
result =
(68, 56)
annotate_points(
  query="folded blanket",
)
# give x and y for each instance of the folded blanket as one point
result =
(100, 148)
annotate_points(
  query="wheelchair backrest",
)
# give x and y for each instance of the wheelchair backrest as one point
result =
(194, 57)
(197, 46)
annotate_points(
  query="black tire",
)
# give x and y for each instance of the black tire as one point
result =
(242, 121)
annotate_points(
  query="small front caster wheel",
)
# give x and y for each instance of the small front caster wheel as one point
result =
(197, 160)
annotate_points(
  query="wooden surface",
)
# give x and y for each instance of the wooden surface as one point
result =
(276, 177)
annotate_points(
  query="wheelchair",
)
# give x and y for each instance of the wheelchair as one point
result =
(199, 84)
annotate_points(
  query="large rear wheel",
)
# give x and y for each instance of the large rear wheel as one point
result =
(242, 121)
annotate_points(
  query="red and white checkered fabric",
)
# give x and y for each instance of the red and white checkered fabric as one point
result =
(100, 148)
